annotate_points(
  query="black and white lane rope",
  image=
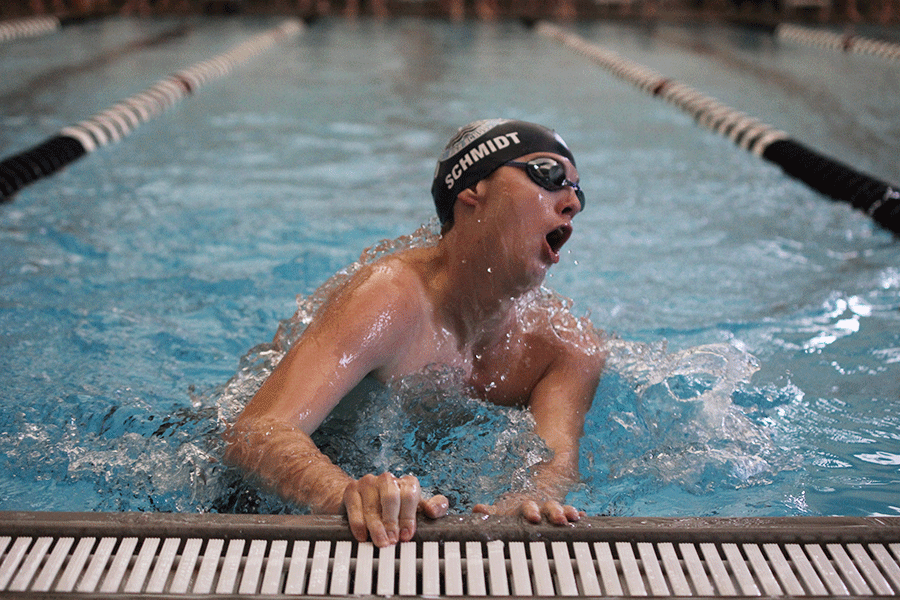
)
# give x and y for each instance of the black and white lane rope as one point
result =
(878, 199)
(28, 27)
(13, 29)
(117, 121)
(836, 41)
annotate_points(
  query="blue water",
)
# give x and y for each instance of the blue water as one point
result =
(755, 325)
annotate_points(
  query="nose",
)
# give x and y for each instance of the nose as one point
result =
(568, 203)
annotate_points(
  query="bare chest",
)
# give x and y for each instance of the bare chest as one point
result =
(507, 376)
(505, 373)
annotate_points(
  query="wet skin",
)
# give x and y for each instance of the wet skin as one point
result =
(459, 304)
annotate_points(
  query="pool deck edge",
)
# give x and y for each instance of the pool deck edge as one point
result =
(460, 527)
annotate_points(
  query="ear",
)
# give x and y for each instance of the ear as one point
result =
(469, 196)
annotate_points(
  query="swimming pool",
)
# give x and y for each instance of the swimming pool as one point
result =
(756, 367)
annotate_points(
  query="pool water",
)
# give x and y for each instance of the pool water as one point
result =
(755, 325)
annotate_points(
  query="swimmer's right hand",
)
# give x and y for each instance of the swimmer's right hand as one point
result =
(384, 508)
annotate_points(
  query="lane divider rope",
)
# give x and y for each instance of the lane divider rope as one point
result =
(43, 24)
(28, 27)
(835, 41)
(116, 122)
(878, 199)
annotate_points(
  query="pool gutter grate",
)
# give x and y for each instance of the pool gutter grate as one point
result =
(151, 554)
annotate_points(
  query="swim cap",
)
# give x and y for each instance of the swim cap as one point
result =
(480, 148)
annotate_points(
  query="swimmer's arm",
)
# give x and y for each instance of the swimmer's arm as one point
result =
(271, 437)
(287, 462)
(359, 331)
(559, 404)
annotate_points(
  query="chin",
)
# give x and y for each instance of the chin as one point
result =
(534, 277)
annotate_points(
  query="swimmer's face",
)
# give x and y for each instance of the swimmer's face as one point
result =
(533, 222)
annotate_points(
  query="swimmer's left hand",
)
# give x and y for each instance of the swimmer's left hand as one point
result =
(551, 510)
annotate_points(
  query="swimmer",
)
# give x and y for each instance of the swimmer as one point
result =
(506, 192)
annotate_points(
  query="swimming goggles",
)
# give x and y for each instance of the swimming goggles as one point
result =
(550, 174)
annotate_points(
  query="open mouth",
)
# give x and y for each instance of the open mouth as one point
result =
(558, 237)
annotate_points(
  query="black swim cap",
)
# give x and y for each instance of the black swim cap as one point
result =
(480, 148)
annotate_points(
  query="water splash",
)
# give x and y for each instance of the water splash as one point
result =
(659, 419)
(670, 419)
(431, 425)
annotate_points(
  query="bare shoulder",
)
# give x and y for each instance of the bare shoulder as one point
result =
(548, 321)
(390, 283)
